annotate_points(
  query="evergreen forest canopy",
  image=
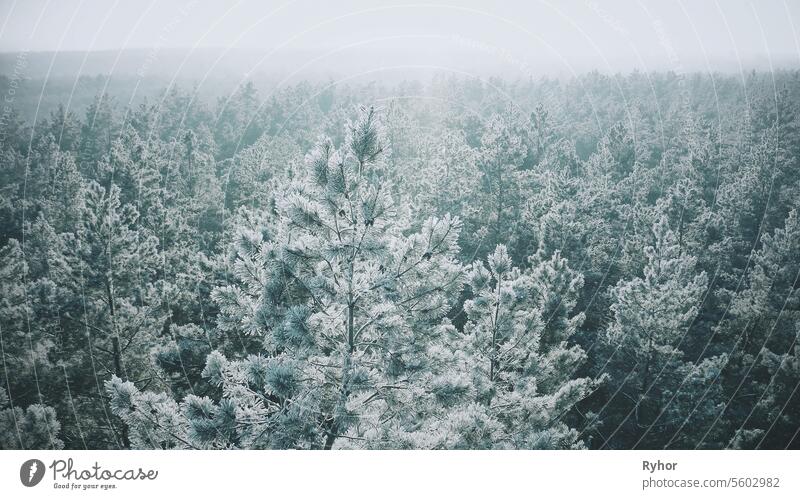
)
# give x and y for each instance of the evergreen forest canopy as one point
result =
(603, 262)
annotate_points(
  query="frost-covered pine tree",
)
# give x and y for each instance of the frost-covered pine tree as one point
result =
(110, 263)
(36, 427)
(505, 152)
(333, 298)
(651, 313)
(509, 379)
(764, 322)
(652, 316)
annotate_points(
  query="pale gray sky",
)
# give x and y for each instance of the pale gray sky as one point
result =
(514, 35)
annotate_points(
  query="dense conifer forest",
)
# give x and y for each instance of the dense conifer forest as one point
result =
(603, 262)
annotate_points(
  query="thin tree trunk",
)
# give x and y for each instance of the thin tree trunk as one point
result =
(493, 359)
(117, 354)
(329, 441)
